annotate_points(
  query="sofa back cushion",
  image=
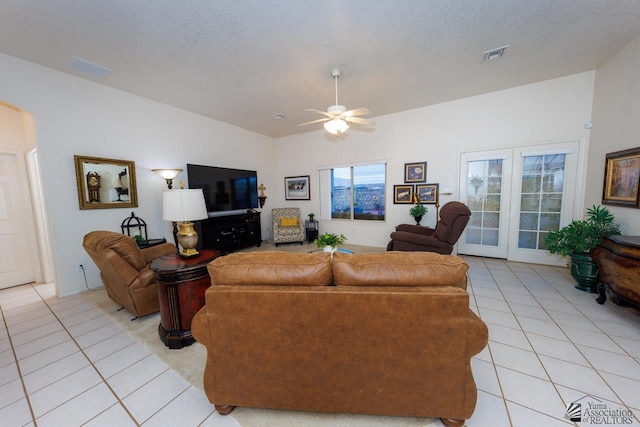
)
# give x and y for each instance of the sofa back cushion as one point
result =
(124, 246)
(399, 269)
(271, 268)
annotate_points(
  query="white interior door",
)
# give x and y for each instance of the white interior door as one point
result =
(17, 242)
(516, 197)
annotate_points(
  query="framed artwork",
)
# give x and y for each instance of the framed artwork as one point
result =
(105, 183)
(415, 172)
(428, 193)
(403, 194)
(296, 188)
(621, 174)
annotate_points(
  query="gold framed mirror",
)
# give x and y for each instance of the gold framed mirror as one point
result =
(105, 183)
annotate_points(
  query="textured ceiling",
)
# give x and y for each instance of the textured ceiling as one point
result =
(242, 61)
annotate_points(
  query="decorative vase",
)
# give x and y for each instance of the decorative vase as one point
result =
(418, 219)
(585, 271)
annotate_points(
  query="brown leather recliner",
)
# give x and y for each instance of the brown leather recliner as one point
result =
(124, 269)
(454, 217)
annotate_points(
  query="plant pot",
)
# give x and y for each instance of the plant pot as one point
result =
(329, 248)
(585, 271)
(418, 219)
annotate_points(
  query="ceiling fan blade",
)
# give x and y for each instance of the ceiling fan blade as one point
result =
(324, 113)
(356, 112)
(360, 121)
(314, 121)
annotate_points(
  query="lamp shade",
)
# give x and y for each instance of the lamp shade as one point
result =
(336, 126)
(167, 173)
(183, 205)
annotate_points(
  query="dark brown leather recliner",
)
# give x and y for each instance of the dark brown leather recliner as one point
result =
(124, 269)
(454, 217)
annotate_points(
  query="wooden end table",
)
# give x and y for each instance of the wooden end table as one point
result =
(182, 283)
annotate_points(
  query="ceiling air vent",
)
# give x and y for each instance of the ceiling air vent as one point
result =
(89, 67)
(492, 54)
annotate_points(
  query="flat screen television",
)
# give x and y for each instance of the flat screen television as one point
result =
(225, 189)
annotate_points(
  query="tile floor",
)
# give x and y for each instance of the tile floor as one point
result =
(64, 363)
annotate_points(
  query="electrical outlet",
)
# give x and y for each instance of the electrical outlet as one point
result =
(80, 268)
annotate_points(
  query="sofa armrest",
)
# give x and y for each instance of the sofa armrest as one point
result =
(415, 229)
(157, 251)
(478, 336)
(420, 240)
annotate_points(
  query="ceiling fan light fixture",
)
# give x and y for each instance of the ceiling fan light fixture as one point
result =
(336, 126)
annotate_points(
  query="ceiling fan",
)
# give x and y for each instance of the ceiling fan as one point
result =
(337, 115)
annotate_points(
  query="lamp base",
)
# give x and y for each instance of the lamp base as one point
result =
(188, 239)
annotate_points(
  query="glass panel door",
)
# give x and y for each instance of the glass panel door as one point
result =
(540, 199)
(517, 196)
(483, 190)
(545, 187)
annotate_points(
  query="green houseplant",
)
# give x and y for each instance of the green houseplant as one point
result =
(330, 241)
(417, 211)
(578, 239)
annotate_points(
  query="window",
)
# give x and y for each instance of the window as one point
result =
(358, 192)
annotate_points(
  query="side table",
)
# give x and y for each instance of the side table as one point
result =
(182, 283)
(311, 230)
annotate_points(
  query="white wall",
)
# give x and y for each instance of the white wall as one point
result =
(616, 125)
(549, 111)
(76, 116)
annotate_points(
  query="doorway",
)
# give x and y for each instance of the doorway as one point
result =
(26, 249)
(517, 196)
(18, 263)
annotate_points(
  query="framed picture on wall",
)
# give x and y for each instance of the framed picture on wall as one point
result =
(428, 193)
(296, 188)
(403, 194)
(621, 175)
(415, 172)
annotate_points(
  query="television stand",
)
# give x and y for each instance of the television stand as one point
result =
(229, 232)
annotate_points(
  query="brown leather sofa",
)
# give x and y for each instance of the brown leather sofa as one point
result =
(454, 217)
(394, 335)
(124, 269)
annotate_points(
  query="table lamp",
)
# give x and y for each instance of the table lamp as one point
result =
(185, 206)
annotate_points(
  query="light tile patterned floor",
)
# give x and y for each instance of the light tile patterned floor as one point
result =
(64, 363)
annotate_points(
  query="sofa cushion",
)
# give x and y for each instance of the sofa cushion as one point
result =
(271, 268)
(399, 269)
(121, 244)
(288, 222)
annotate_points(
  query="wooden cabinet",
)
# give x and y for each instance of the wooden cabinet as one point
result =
(618, 261)
(182, 283)
(230, 232)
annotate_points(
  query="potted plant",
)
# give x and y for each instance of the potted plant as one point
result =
(139, 240)
(417, 211)
(311, 216)
(329, 242)
(578, 239)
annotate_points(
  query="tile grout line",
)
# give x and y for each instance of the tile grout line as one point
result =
(91, 364)
(528, 341)
(504, 401)
(15, 358)
(553, 321)
(597, 371)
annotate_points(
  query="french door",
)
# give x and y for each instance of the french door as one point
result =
(516, 197)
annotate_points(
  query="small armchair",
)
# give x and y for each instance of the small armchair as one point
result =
(287, 225)
(454, 217)
(124, 269)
